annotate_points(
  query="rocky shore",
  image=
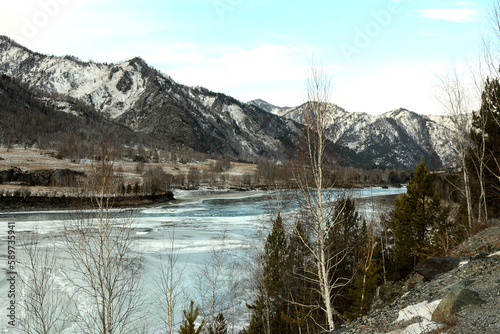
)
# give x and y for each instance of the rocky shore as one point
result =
(29, 203)
(463, 298)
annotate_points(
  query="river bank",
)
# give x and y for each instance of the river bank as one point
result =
(29, 202)
(17, 203)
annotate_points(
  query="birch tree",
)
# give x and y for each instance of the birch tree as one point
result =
(105, 271)
(486, 141)
(456, 103)
(216, 284)
(314, 184)
(43, 303)
(169, 285)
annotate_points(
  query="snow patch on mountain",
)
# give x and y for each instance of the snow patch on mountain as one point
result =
(399, 137)
(143, 99)
(111, 89)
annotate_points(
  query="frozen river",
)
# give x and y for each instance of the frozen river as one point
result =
(197, 227)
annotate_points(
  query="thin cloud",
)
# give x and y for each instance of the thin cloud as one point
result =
(222, 68)
(459, 15)
(425, 32)
(467, 3)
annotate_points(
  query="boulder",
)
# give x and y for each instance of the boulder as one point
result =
(434, 266)
(455, 300)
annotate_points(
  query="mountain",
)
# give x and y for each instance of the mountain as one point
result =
(134, 96)
(270, 108)
(137, 96)
(398, 138)
(28, 117)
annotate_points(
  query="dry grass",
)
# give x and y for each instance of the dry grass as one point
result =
(34, 159)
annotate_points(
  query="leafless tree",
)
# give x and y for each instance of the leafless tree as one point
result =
(314, 184)
(42, 300)
(105, 271)
(155, 181)
(193, 177)
(216, 284)
(456, 101)
(486, 68)
(169, 284)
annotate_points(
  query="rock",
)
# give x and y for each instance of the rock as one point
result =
(454, 301)
(10, 175)
(64, 177)
(434, 266)
(480, 274)
(340, 330)
(459, 285)
(386, 294)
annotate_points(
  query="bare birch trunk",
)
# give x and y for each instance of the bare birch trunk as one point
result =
(312, 185)
(169, 286)
(455, 100)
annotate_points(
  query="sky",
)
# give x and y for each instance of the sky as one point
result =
(380, 54)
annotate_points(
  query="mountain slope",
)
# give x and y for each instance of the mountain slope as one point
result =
(28, 117)
(270, 108)
(135, 95)
(398, 138)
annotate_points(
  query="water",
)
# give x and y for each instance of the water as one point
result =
(197, 228)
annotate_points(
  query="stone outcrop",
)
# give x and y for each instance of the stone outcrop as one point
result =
(387, 293)
(466, 299)
(455, 300)
(434, 266)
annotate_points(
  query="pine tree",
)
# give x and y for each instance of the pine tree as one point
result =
(417, 215)
(301, 293)
(188, 326)
(345, 235)
(344, 240)
(268, 310)
(366, 279)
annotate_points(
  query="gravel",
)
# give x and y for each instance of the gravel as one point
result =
(479, 271)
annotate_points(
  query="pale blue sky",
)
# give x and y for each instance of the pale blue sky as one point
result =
(381, 54)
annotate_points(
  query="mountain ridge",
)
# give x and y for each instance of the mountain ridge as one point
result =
(135, 95)
(398, 138)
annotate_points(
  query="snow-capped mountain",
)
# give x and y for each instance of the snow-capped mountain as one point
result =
(398, 138)
(134, 95)
(270, 108)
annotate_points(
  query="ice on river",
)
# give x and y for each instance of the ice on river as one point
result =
(196, 226)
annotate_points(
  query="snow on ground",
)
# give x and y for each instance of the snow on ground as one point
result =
(422, 311)
(462, 263)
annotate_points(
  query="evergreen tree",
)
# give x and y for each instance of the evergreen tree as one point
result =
(267, 315)
(345, 235)
(417, 215)
(344, 240)
(188, 326)
(301, 292)
(366, 279)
